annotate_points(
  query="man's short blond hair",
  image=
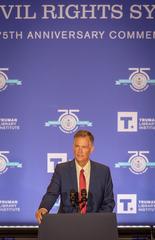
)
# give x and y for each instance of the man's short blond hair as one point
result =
(84, 133)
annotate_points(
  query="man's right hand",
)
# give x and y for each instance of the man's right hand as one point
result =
(39, 214)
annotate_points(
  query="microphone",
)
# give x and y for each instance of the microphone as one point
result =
(73, 198)
(83, 197)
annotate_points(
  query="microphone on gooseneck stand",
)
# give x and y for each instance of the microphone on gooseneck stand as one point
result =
(74, 199)
(83, 197)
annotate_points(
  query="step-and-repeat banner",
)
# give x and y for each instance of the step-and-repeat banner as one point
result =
(71, 65)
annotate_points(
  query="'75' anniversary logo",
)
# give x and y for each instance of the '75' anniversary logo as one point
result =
(139, 79)
(5, 80)
(68, 121)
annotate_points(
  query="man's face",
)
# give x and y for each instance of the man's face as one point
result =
(82, 149)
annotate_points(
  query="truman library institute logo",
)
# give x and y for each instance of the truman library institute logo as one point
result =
(9, 124)
(127, 121)
(126, 203)
(68, 121)
(9, 205)
(53, 159)
(130, 122)
(138, 80)
(131, 204)
(5, 80)
(138, 162)
(5, 164)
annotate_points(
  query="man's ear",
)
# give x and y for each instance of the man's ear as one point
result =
(92, 148)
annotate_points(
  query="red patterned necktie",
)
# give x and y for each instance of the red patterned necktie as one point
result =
(82, 184)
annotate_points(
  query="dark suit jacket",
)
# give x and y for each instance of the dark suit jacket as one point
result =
(100, 195)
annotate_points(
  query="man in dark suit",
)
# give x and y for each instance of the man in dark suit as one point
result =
(81, 172)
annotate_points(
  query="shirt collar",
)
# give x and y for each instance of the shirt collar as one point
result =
(85, 168)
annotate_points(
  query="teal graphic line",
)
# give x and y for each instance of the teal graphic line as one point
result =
(127, 81)
(14, 81)
(151, 164)
(122, 164)
(151, 81)
(14, 164)
(123, 81)
(49, 123)
(86, 123)
(127, 164)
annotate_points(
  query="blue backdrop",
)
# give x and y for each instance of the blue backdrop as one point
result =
(77, 65)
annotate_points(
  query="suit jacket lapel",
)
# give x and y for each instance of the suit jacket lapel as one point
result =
(92, 177)
(73, 175)
(91, 187)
